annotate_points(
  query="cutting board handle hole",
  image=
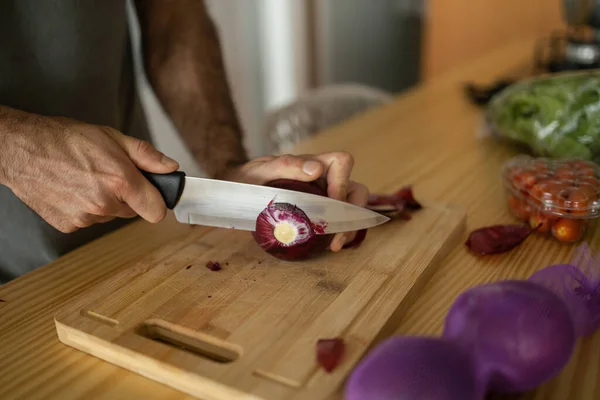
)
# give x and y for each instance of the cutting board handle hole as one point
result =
(188, 340)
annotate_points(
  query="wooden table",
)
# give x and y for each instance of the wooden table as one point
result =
(426, 138)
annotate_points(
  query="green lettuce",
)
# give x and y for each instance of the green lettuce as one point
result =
(556, 116)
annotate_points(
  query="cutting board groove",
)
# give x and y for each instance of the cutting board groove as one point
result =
(249, 330)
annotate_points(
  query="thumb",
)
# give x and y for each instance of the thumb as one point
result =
(145, 156)
(289, 167)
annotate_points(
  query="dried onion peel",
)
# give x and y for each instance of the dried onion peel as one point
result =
(497, 238)
(398, 204)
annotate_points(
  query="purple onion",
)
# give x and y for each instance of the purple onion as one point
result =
(578, 284)
(286, 232)
(414, 368)
(509, 336)
(520, 333)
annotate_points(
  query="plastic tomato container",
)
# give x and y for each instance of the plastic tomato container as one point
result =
(558, 198)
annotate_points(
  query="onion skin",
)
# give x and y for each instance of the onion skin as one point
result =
(497, 239)
(312, 247)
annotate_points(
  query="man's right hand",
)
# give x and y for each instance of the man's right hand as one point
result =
(75, 174)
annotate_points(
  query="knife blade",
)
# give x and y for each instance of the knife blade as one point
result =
(232, 205)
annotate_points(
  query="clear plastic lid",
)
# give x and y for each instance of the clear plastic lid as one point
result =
(566, 188)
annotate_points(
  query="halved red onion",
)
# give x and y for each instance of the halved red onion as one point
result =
(286, 232)
(283, 224)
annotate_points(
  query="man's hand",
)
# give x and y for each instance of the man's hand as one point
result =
(335, 167)
(184, 63)
(75, 174)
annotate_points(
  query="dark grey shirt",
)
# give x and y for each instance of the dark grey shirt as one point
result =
(67, 58)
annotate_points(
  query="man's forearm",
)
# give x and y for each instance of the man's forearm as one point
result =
(184, 64)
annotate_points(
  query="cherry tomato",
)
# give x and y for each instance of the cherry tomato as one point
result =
(537, 192)
(578, 163)
(542, 169)
(514, 202)
(526, 211)
(590, 191)
(586, 171)
(578, 202)
(540, 222)
(565, 174)
(591, 180)
(558, 193)
(519, 208)
(568, 230)
(524, 180)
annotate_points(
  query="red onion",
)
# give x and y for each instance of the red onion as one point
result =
(508, 336)
(285, 231)
(330, 353)
(411, 368)
(520, 333)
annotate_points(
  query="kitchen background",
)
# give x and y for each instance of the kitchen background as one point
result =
(277, 50)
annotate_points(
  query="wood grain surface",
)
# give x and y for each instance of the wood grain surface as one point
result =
(258, 318)
(427, 137)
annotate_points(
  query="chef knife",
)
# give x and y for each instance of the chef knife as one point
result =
(225, 204)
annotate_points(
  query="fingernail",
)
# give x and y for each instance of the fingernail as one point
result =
(311, 167)
(167, 160)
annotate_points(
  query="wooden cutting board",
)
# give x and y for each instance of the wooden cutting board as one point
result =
(249, 330)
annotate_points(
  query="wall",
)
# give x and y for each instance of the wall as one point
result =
(284, 55)
(376, 43)
(457, 31)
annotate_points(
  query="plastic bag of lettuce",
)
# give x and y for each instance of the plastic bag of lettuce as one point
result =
(555, 116)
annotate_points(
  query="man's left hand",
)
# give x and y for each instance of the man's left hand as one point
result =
(336, 167)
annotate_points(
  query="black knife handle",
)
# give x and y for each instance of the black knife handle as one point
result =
(169, 185)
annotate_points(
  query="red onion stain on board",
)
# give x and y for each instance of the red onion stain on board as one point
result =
(213, 266)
